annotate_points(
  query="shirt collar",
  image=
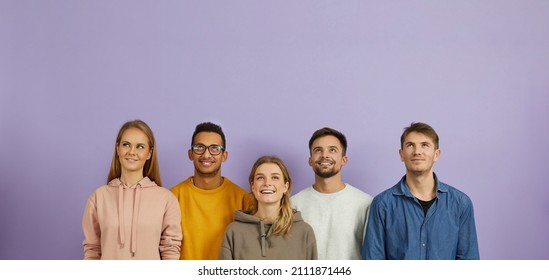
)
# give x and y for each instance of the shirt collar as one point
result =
(403, 189)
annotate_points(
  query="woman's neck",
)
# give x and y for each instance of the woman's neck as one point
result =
(131, 178)
(267, 212)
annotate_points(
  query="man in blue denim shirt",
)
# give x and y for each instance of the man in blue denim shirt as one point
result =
(421, 217)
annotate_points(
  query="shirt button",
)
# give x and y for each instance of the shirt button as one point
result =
(423, 244)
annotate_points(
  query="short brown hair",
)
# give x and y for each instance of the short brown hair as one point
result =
(422, 128)
(326, 131)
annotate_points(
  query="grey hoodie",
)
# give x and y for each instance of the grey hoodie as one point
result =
(250, 238)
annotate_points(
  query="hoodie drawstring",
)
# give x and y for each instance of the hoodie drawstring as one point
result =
(121, 215)
(121, 222)
(134, 218)
(263, 237)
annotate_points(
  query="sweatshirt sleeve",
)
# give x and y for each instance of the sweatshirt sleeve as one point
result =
(312, 252)
(170, 241)
(92, 231)
(248, 201)
(226, 252)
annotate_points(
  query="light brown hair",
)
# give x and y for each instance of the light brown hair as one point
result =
(150, 169)
(284, 220)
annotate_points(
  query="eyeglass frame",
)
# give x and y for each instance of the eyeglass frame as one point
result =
(207, 148)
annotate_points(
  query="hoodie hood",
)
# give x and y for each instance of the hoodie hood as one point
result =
(265, 227)
(143, 183)
(247, 217)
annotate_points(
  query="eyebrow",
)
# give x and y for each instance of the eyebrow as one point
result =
(276, 173)
(126, 141)
(316, 147)
(423, 142)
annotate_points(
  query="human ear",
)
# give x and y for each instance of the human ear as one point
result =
(190, 154)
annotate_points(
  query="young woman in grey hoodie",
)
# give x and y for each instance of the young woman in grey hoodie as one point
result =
(272, 230)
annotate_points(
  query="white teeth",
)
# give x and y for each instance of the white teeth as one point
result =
(267, 192)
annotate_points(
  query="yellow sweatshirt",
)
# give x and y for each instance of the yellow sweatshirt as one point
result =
(205, 214)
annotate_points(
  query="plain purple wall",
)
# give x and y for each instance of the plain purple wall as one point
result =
(272, 72)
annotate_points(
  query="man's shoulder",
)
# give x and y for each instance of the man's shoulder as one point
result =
(356, 192)
(181, 185)
(303, 198)
(306, 192)
(232, 186)
(455, 194)
(389, 194)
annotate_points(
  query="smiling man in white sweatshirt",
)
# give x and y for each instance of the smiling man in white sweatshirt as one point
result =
(336, 210)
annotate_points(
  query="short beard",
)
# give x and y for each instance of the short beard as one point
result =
(326, 174)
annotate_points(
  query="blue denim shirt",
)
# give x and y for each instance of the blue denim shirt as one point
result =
(398, 228)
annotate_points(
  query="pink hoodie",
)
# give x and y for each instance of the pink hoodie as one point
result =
(138, 222)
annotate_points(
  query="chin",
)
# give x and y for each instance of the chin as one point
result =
(268, 202)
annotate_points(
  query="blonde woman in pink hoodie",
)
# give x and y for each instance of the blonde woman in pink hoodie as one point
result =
(132, 217)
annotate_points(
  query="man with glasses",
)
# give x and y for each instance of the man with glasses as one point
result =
(207, 199)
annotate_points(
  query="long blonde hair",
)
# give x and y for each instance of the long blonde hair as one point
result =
(151, 168)
(284, 220)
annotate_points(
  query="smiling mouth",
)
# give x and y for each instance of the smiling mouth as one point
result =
(267, 192)
(325, 163)
(207, 163)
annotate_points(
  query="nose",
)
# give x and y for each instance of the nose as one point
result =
(267, 182)
(324, 154)
(207, 151)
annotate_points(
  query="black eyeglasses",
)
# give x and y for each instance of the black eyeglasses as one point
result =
(214, 150)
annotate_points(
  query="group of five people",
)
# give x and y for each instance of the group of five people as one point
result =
(207, 216)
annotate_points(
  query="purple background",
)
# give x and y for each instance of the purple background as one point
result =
(272, 72)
